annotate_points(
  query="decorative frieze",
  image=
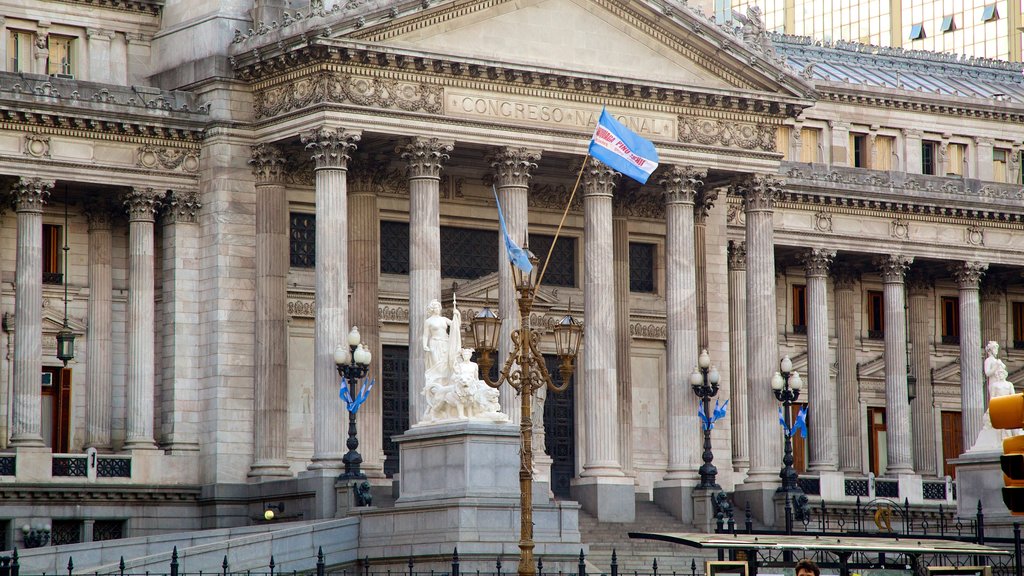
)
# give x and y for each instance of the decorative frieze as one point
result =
(648, 331)
(727, 134)
(425, 156)
(331, 147)
(682, 183)
(337, 87)
(37, 145)
(162, 157)
(552, 197)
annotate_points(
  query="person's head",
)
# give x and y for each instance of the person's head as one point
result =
(806, 567)
(992, 348)
(467, 353)
(434, 308)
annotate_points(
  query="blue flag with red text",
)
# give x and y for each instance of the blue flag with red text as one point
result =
(623, 150)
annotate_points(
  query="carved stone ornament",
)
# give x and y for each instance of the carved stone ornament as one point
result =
(301, 308)
(899, 229)
(331, 148)
(892, 267)
(703, 204)
(157, 157)
(816, 261)
(99, 214)
(336, 87)
(29, 194)
(823, 221)
(759, 192)
(268, 164)
(181, 206)
(681, 183)
(552, 196)
(648, 331)
(366, 176)
(968, 274)
(141, 204)
(712, 132)
(37, 145)
(993, 288)
(512, 165)
(598, 179)
(639, 203)
(844, 276)
(737, 255)
(974, 235)
(735, 215)
(425, 156)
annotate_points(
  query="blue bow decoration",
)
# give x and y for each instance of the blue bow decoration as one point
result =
(799, 426)
(717, 414)
(353, 404)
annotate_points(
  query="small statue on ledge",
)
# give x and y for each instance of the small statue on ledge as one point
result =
(995, 372)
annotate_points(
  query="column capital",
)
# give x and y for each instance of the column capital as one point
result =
(30, 194)
(598, 179)
(267, 163)
(181, 206)
(892, 267)
(703, 204)
(682, 183)
(425, 156)
(99, 215)
(331, 147)
(512, 165)
(759, 192)
(816, 261)
(844, 276)
(141, 204)
(968, 274)
(99, 33)
(993, 287)
(919, 281)
(366, 176)
(737, 255)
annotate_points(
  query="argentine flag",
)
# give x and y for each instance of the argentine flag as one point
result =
(623, 150)
(516, 255)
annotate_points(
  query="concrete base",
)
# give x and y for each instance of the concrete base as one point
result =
(760, 496)
(608, 499)
(676, 498)
(704, 510)
(980, 479)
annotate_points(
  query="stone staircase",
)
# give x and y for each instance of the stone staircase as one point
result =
(639, 555)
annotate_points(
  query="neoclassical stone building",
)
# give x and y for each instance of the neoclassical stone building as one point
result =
(238, 184)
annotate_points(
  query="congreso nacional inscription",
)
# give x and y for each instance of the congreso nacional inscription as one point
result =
(557, 116)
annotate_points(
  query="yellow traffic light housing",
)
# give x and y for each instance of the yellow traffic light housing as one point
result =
(1007, 413)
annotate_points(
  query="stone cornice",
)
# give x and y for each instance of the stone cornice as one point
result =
(151, 7)
(68, 492)
(943, 104)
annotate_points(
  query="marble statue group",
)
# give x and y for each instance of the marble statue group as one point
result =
(453, 387)
(995, 375)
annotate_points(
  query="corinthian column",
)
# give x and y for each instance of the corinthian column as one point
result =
(738, 354)
(270, 425)
(512, 168)
(99, 331)
(759, 196)
(972, 384)
(704, 202)
(425, 158)
(898, 439)
(993, 323)
(331, 149)
(821, 393)
(364, 270)
(844, 281)
(623, 340)
(922, 409)
(29, 196)
(142, 204)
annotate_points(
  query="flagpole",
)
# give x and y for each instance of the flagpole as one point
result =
(547, 259)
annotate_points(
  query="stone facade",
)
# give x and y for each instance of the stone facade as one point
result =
(792, 215)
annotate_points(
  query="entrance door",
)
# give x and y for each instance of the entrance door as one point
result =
(877, 449)
(395, 401)
(560, 431)
(952, 440)
(56, 408)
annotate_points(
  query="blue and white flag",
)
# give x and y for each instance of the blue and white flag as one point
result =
(516, 254)
(623, 150)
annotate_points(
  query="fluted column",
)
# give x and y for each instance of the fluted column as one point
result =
(972, 381)
(993, 316)
(142, 204)
(898, 438)
(738, 355)
(681, 185)
(180, 398)
(759, 196)
(821, 392)
(703, 203)
(270, 380)
(623, 341)
(29, 196)
(922, 409)
(844, 282)
(331, 149)
(98, 334)
(425, 157)
(512, 168)
(364, 178)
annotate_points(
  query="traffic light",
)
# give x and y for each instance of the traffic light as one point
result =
(1007, 413)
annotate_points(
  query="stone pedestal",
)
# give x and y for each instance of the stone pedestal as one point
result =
(979, 479)
(704, 510)
(761, 497)
(676, 498)
(609, 499)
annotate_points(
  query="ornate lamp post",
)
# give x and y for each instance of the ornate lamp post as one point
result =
(786, 384)
(704, 382)
(352, 365)
(525, 371)
(65, 338)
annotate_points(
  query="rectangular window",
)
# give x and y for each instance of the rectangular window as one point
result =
(65, 532)
(19, 51)
(948, 24)
(800, 309)
(990, 13)
(955, 156)
(61, 61)
(468, 252)
(302, 239)
(782, 136)
(950, 320)
(928, 157)
(881, 159)
(876, 315)
(859, 150)
(641, 267)
(810, 139)
(562, 269)
(1018, 325)
(917, 32)
(999, 157)
(394, 247)
(52, 241)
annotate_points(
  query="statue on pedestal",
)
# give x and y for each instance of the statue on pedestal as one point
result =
(453, 387)
(995, 372)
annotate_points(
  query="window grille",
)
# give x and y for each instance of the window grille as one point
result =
(302, 235)
(562, 269)
(394, 247)
(468, 252)
(107, 530)
(66, 532)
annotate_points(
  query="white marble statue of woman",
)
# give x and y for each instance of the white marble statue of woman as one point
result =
(995, 372)
(442, 341)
